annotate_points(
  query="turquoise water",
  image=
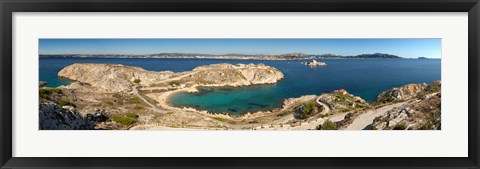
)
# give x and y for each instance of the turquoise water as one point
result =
(362, 77)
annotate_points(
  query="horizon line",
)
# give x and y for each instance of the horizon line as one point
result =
(239, 54)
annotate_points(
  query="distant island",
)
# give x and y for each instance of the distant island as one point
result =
(289, 56)
(314, 63)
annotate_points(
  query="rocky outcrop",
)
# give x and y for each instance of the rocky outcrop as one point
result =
(408, 92)
(42, 83)
(342, 101)
(54, 117)
(112, 77)
(235, 75)
(314, 63)
(419, 115)
(421, 109)
(120, 78)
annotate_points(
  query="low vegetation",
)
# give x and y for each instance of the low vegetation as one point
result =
(220, 119)
(433, 88)
(343, 98)
(135, 100)
(65, 103)
(137, 107)
(433, 122)
(307, 110)
(44, 93)
(127, 119)
(174, 83)
(344, 109)
(137, 81)
(400, 126)
(132, 115)
(328, 125)
(421, 95)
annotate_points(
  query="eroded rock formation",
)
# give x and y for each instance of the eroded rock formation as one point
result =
(112, 77)
(120, 78)
(54, 117)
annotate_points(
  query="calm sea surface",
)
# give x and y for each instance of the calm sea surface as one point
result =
(362, 77)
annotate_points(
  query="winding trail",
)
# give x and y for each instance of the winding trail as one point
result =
(278, 124)
(177, 78)
(155, 108)
(314, 123)
(325, 106)
(367, 118)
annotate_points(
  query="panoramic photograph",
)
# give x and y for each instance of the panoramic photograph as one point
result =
(240, 84)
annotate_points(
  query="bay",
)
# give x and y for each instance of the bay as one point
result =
(361, 77)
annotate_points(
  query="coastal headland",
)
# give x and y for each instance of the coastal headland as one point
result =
(114, 96)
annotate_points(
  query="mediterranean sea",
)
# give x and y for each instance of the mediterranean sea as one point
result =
(361, 77)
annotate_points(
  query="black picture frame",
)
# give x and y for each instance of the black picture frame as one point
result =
(7, 7)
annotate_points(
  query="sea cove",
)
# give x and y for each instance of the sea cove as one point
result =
(361, 77)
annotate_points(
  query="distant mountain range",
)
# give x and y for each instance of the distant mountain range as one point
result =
(288, 56)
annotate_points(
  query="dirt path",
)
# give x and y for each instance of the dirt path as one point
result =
(153, 107)
(177, 78)
(367, 118)
(311, 124)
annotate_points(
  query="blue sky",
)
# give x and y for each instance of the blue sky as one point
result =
(408, 48)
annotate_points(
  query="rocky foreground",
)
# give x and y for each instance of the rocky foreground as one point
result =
(118, 97)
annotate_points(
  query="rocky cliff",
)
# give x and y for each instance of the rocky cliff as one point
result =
(54, 117)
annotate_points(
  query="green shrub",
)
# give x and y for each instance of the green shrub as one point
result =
(344, 97)
(169, 113)
(307, 110)
(328, 125)
(174, 83)
(434, 88)
(131, 115)
(220, 119)
(344, 109)
(65, 103)
(135, 100)
(400, 127)
(137, 107)
(109, 103)
(45, 92)
(123, 120)
(421, 95)
(137, 81)
(372, 127)
(385, 119)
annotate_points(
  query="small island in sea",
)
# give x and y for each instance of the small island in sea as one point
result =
(192, 91)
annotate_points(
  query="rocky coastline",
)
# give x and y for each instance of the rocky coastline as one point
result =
(118, 97)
